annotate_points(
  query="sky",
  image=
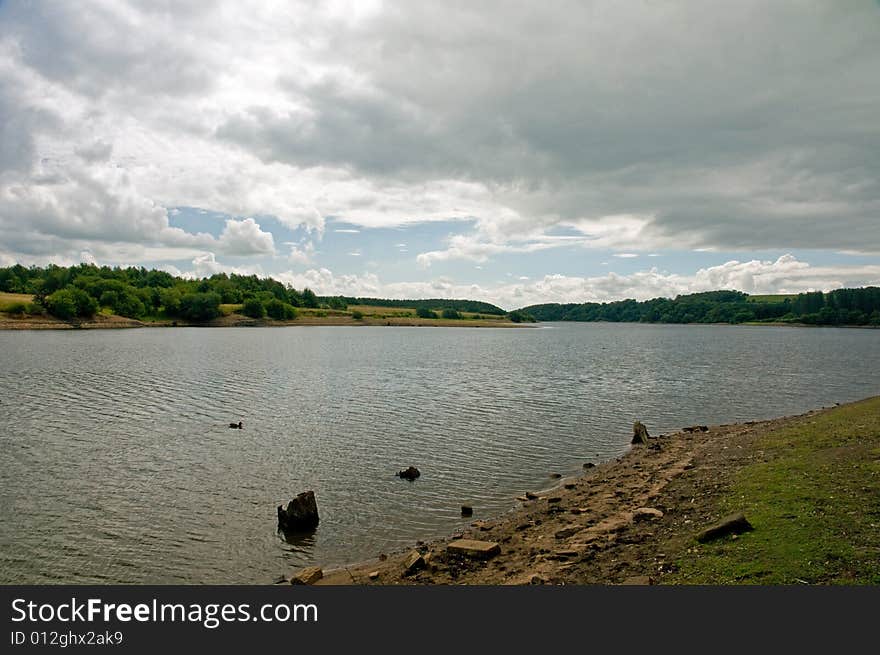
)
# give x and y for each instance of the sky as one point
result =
(512, 152)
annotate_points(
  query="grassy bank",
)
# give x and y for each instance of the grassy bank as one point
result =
(231, 316)
(814, 503)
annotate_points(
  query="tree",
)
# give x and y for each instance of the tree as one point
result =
(253, 308)
(424, 312)
(280, 311)
(200, 306)
(309, 299)
(450, 313)
(70, 303)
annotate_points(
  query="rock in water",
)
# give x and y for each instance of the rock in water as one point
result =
(733, 524)
(640, 433)
(301, 513)
(410, 473)
(467, 510)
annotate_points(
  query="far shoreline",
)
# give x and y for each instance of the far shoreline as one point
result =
(101, 322)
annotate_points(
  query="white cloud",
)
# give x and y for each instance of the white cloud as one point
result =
(245, 237)
(677, 136)
(301, 254)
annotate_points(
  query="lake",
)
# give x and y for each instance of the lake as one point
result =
(117, 464)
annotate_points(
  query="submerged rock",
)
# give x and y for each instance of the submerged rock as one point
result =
(301, 513)
(409, 473)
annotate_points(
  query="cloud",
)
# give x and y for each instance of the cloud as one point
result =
(245, 237)
(632, 128)
(786, 274)
(98, 151)
(301, 254)
(625, 255)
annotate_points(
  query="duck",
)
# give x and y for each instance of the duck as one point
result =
(236, 426)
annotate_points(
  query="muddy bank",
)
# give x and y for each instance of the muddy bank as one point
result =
(624, 521)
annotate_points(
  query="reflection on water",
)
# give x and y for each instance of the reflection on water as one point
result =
(117, 463)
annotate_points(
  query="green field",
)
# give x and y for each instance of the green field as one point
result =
(9, 299)
(814, 504)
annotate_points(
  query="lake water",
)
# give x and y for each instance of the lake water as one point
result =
(117, 464)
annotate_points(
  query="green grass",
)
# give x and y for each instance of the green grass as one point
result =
(815, 507)
(10, 299)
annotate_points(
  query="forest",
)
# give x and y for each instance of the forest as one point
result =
(839, 307)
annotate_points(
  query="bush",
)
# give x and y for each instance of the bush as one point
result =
(253, 308)
(17, 309)
(200, 306)
(358, 316)
(69, 303)
(519, 317)
(280, 311)
(450, 313)
(424, 312)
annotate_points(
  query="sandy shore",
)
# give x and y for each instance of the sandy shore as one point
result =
(593, 529)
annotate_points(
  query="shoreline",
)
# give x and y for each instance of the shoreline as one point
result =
(238, 321)
(630, 520)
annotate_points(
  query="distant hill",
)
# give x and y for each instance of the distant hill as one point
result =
(474, 306)
(838, 307)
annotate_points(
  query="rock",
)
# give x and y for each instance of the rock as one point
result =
(641, 580)
(555, 476)
(473, 548)
(647, 514)
(570, 531)
(640, 433)
(537, 579)
(413, 562)
(374, 575)
(696, 428)
(531, 496)
(589, 465)
(301, 513)
(566, 554)
(308, 575)
(382, 557)
(522, 499)
(570, 486)
(467, 510)
(554, 499)
(410, 473)
(733, 524)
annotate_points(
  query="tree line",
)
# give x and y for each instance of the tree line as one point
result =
(436, 304)
(839, 307)
(82, 291)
